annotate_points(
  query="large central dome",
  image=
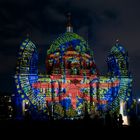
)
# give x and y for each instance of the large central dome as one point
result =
(67, 40)
(69, 54)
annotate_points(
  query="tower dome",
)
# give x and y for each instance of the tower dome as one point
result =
(118, 48)
(69, 40)
(70, 51)
(70, 54)
(118, 61)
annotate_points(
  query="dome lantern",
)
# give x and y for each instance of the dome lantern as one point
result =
(69, 27)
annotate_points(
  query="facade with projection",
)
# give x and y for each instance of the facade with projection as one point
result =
(72, 85)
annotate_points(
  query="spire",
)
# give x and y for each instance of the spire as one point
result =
(69, 27)
(117, 42)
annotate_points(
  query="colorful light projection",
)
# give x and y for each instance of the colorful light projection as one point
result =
(72, 85)
(27, 74)
(118, 66)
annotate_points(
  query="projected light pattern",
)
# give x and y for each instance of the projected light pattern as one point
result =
(118, 67)
(66, 39)
(72, 84)
(27, 74)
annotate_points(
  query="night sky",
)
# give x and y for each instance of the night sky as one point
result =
(100, 22)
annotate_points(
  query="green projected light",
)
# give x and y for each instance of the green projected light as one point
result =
(72, 85)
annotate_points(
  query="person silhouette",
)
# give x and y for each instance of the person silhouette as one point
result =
(120, 120)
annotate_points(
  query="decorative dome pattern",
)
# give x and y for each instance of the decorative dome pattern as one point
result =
(69, 39)
(117, 48)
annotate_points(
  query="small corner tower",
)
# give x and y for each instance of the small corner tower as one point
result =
(118, 61)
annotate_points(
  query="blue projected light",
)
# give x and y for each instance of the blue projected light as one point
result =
(72, 82)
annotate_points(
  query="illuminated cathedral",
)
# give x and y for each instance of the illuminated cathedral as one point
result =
(72, 85)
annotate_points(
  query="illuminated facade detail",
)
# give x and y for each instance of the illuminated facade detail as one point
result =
(72, 84)
(118, 67)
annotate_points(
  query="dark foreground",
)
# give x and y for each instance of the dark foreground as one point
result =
(56, 124)
(55, 128)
